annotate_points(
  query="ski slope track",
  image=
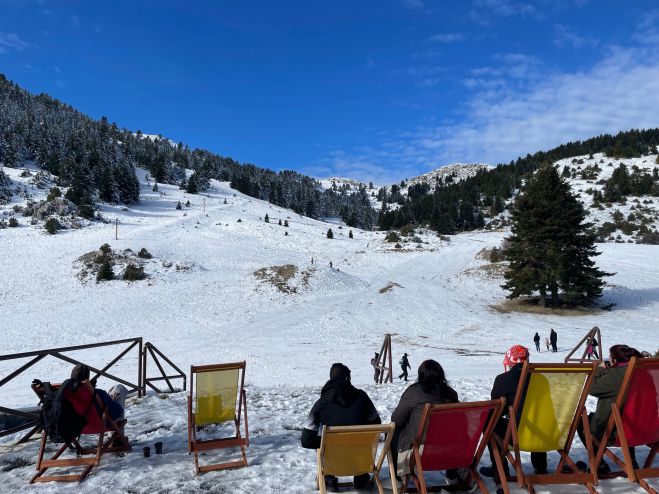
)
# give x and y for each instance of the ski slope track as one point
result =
(433, 297)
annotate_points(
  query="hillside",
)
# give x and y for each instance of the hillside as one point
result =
(434, 296)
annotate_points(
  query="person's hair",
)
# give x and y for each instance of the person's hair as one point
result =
(623, 353)
(431, 377)
(338, 370)
(80, 373)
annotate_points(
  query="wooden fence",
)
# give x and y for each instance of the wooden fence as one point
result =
(18, 420)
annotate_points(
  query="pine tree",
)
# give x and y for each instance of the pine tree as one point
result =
(286, 223)
(551, 247)
(105, 272)
(330, 233)
(350, 234)
(267, 218)
(192, 185)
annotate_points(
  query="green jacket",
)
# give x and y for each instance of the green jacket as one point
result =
(605, 386)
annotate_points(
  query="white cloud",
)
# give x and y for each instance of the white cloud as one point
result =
(12, 42)
(507, 117)
(446, 37)
(414, 4)
(564, 36)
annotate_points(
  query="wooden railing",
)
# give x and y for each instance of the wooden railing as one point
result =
(29, 419)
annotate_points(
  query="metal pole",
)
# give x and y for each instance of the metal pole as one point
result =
(116, 228)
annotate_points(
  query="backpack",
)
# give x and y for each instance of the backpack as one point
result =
(59, 419)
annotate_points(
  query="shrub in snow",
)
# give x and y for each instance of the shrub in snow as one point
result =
(267, 218)
(398, 246)
(13, 222)
(187, 204)
(330, 233)
(55, 207)
(279, 222)
(350, 234)
(105, 249)
(179, 205)
(286, 223)
(239, 220)
(407, 230)
(52, 225)
(392, 237)
(105, 272)
(144, 254)
(54, 193)
(155, 187)
(133, 273)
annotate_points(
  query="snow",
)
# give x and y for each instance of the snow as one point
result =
(439, 307)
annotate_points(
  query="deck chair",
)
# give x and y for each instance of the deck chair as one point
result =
(98, 424)
(549, 402)
(634, 422)
(217, 396)
(453, 436)
(352, 450)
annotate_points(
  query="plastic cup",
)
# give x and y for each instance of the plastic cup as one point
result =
(158, 448)
(146, 451)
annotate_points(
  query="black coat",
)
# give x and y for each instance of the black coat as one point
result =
(340, 403)
(553, 336)
(407, 414)
(505, 386)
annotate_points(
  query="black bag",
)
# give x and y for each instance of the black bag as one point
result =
(58, 417)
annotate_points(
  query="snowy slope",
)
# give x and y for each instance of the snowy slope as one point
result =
(218, 311)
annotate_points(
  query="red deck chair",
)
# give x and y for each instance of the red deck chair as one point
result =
(96, 425)
(635, 418)
(453, 436)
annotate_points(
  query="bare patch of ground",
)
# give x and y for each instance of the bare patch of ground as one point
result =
(531, 306)
(389, 286)
(279, 276)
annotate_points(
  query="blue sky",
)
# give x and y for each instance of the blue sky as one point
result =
(377, 90)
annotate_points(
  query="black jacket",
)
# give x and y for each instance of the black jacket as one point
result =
(407, 414)
(505, 385)
(340, 403)
(553, 336)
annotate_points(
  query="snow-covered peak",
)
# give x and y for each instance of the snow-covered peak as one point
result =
(449, 173)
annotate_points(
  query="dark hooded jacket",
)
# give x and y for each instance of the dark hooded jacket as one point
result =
(340, 403)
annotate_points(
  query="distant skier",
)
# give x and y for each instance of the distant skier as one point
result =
(536, 340)
(330, 264)
(553, 338)
(312, 261)
(404, 365)
(374, 363)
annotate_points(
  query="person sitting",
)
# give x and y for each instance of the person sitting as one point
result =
(340, 403)
(114, 400)
(431, 387)
(605, 387)
(505, 386)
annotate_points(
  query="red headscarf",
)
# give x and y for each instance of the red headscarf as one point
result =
(515, 355)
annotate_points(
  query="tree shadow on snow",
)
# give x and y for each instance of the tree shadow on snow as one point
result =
(622, 297)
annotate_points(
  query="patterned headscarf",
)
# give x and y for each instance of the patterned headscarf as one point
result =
(516, 354)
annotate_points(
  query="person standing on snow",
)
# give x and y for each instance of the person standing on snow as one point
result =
(374, 363)
(553, 338)
(547, 343)
(404, 365)
(536, 340)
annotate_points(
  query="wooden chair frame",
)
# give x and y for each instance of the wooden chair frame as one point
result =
(195, 446)
(83, 458)
(615, 423)
(589, 480)
(387, 429)
(595, 334)
(496, 408)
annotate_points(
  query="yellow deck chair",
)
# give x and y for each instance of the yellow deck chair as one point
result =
(217, 396)
(549, 403)
(353, 450)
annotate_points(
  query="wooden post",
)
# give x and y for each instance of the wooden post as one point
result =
(116, 228)
(593, 334)
(204, 204)
(384, 361)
